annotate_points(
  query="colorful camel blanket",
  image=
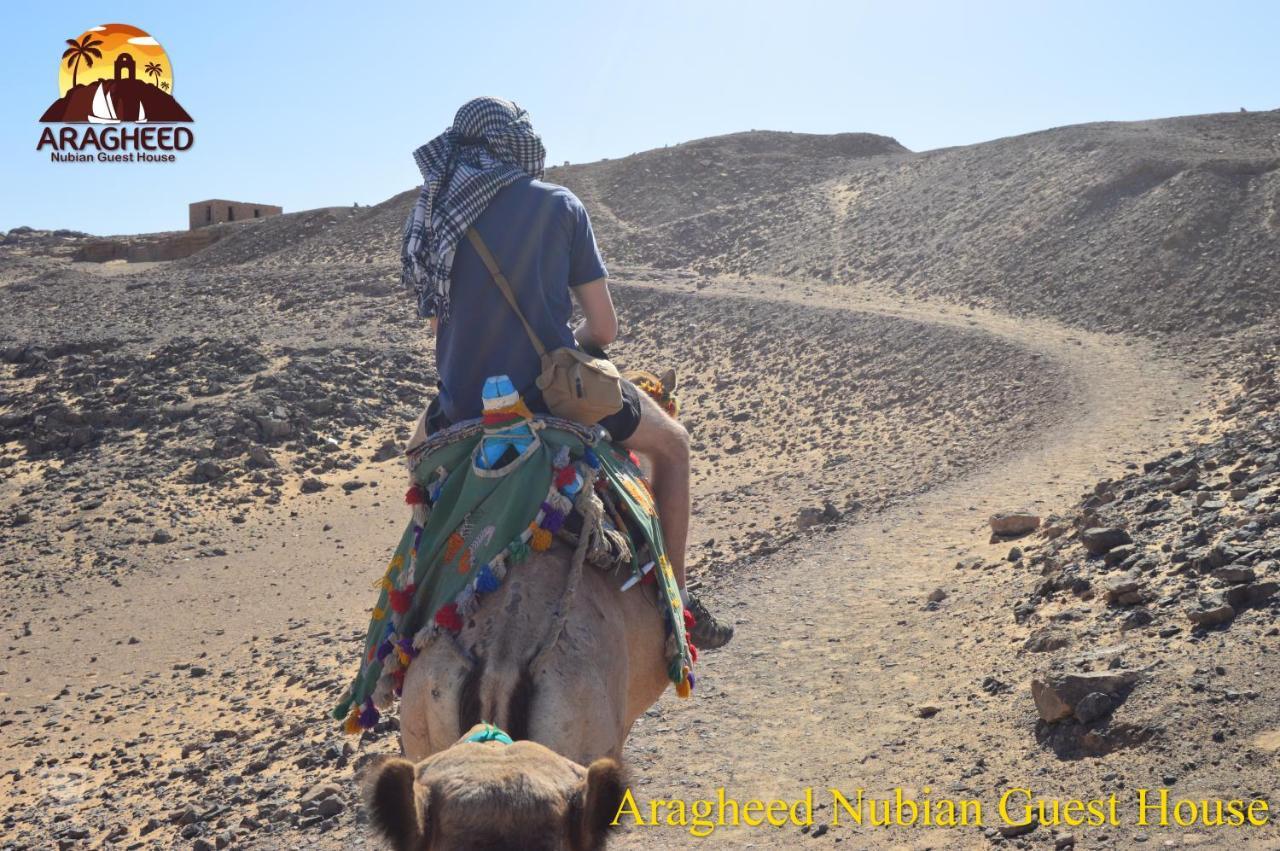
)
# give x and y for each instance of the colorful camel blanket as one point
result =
(472, 525)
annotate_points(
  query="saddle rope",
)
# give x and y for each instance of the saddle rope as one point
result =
(591, 511)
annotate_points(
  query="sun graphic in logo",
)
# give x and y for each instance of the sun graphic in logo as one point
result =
(111, 74)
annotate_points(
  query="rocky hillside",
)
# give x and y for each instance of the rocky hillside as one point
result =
(1069, 223)
(1072, 223)
(1149, 611)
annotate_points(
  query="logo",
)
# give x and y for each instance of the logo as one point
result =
(116, 103)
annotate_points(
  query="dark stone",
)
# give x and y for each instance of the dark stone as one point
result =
(1093, 706)
(1100, 540)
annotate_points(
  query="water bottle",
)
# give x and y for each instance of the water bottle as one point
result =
(509, 434)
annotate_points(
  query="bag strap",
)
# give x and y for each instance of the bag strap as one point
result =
(501, 281)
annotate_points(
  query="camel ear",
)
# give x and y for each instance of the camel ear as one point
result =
(668, 380)
(601, 798)
(396, 803)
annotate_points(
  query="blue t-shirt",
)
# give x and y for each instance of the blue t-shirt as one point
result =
(541, 237)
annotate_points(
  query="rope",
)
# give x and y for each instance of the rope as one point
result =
(467, 428)
(589, 507)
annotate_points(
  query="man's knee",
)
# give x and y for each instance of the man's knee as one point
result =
(675, 443)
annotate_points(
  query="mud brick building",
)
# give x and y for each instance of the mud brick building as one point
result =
(217, 210)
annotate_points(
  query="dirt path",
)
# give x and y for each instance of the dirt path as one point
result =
(834, 656)
(836, 652)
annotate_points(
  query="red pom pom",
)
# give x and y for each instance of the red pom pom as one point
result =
(397, 680)
(401, 599)
(689, 620)
(565, 477)
(415, 496)
(634, 459)
(448, 618)
(693, 652)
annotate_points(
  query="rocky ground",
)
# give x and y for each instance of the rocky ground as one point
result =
(1184, 549)
(878, 350)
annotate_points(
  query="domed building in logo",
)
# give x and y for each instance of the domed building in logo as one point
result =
(114, 74)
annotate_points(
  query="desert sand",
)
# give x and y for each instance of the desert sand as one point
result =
(200, 481)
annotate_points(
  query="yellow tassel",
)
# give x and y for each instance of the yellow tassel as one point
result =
(379, 613)
(397, 562)
(352, 724)
(683, 689)
(540, 540)
(404, 658)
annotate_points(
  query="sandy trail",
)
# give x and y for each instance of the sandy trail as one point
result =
(834, 650)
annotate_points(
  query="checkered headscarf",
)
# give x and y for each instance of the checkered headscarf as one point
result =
(490, 145)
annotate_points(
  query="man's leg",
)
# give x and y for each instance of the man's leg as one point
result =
(665, 443)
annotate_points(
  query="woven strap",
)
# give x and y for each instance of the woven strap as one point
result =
(501, 280)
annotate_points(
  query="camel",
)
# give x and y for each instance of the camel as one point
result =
(570, 664)
(493, 795)
(564, 662)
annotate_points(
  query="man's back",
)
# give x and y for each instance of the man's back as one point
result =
(541, 237)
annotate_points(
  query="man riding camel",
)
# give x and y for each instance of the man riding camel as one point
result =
(485, 172)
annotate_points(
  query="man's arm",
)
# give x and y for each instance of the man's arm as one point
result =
(599, 327)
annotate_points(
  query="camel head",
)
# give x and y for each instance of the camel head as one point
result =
(486, 796)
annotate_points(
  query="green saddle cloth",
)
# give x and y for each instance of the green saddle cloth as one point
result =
(471, 525)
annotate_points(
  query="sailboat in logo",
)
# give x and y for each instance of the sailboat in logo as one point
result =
(104, 109)
(120, 98)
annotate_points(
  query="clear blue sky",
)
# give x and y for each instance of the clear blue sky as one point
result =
(321, 103)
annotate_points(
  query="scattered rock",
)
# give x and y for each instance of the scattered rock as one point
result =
(1092, 706)
(388, 450)
(1009, 831)
(1233, 574)
(312, 485)
(330, 807)
(320, 792)
(808, 518)
(1136, 619)
(1046, 640)
(1057, 695)
(274, 429)
(1014, 523)
(1101, 539)
(1211, 614)
(1119, 554)
(1125, 591)
(207, 471)
(260, 458)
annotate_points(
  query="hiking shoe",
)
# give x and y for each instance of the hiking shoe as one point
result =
(707, 633)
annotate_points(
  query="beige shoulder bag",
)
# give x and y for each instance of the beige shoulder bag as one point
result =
(574, 385)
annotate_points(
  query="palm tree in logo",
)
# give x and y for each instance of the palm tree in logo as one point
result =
(85, 49)
(154, 69)
(164, 87)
